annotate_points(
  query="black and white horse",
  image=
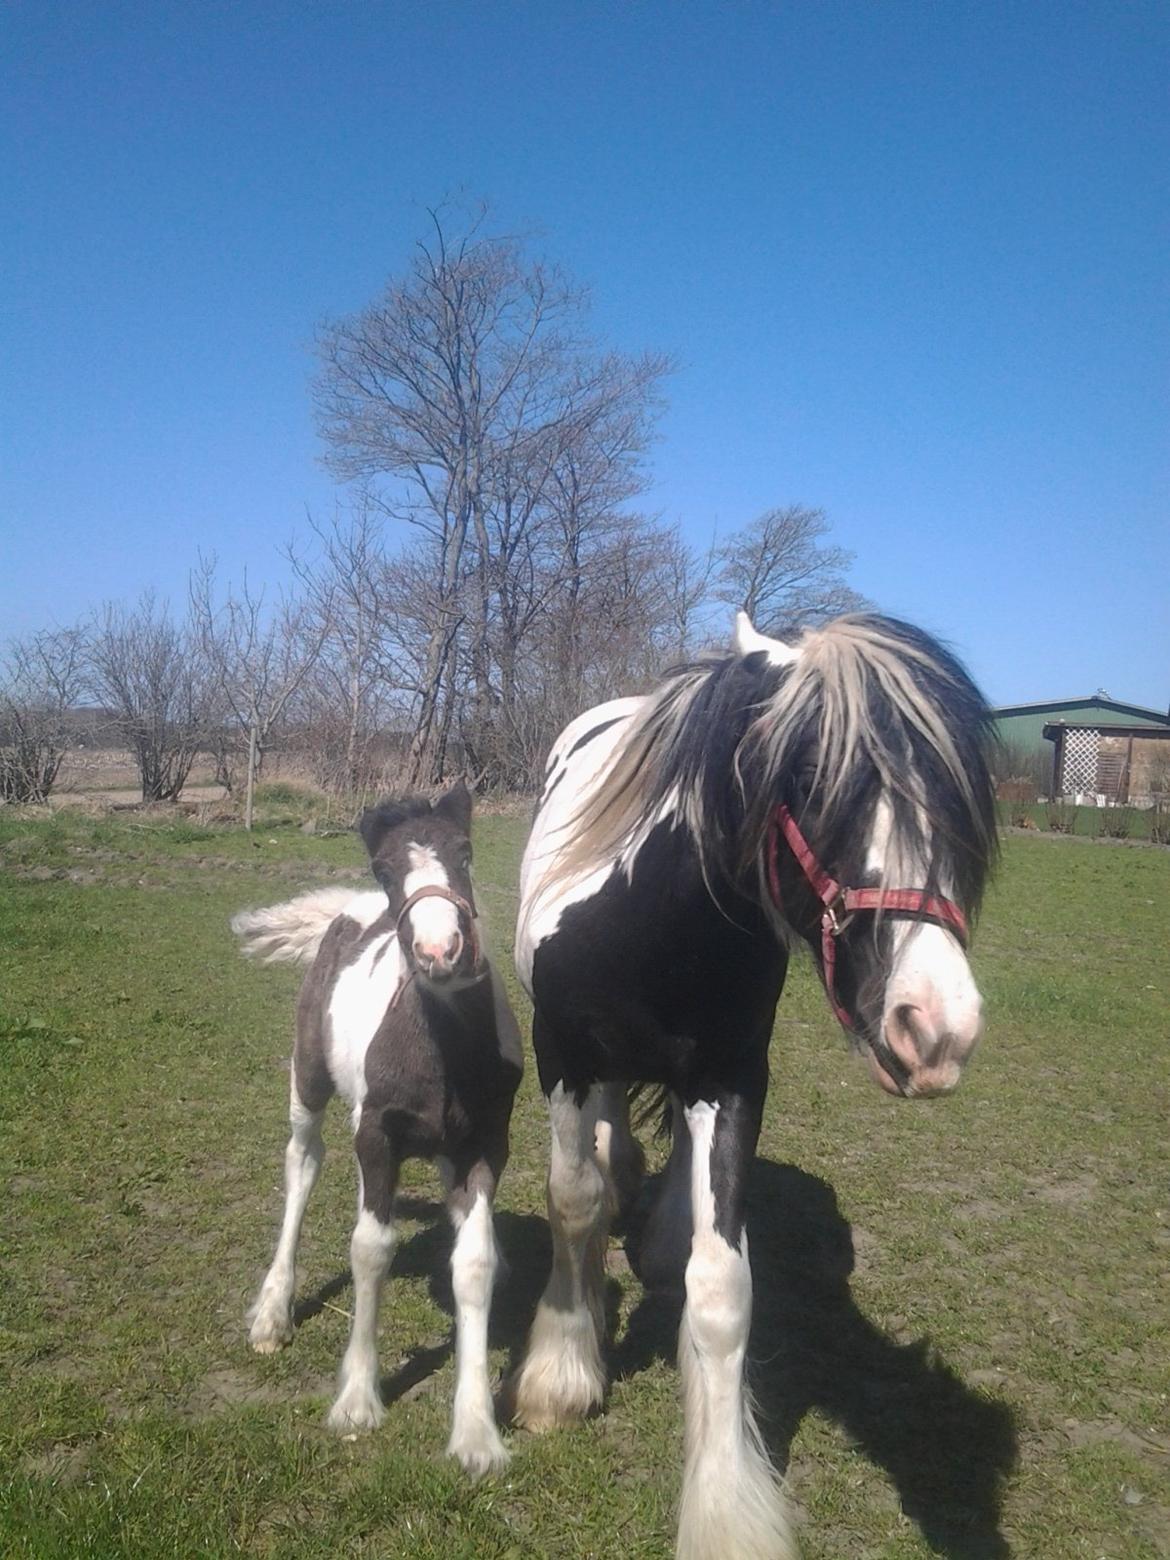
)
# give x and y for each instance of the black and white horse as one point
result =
(404, 1017)
(834, 791)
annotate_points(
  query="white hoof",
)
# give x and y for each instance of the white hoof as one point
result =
(272, 1328)
(562, 1378)
(480, 1450)
(358, 1407)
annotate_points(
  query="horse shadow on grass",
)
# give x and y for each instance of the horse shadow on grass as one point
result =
(526, 1253)
(948, 1450)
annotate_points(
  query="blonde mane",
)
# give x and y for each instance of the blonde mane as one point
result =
(871, 693)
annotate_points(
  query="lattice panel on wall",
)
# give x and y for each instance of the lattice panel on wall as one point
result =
(1080, 762)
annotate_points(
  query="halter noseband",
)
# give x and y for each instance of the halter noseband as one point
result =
(466, 911)
(841, 904)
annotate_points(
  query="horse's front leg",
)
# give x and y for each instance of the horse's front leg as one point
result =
(475, 1440)
(562, 1377)
(359, 1400)
(732, 1504)
(271, 1315)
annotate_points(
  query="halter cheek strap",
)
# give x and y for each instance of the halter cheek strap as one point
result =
(841, 904)
(466, 912)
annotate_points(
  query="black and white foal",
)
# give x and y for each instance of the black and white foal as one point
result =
(834, 791)
(404, 1017)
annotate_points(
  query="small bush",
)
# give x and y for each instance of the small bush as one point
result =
(1115, 823)
(1159, 817)
(1061, 817)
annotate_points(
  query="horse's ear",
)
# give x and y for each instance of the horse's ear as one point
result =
(455, 806)
(376, 822)
(748, 640)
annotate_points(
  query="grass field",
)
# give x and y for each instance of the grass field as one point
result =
(962, 1332)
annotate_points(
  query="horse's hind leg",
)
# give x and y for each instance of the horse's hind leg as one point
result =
(475, 1440)
(271, 1315)
(618, 1151)
(562, 1377)
(358, 1405)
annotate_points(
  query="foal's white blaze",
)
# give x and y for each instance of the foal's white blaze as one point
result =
(434, 922)
(748, 640)
(732, 1504)
(932, 1014)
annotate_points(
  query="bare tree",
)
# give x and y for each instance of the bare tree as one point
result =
(152, 677)
(777, 570)
(43, 679)
(258, 659)
(364, 676)
(472, 395)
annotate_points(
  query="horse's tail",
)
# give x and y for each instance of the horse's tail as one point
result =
(292, 932)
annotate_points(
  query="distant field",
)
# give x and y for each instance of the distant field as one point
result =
(961, 1339)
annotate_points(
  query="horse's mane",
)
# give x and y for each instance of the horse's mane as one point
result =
(877, 702)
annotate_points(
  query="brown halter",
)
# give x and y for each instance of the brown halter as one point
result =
(466, 912)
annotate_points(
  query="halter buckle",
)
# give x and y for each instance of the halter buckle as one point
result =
(836, 917)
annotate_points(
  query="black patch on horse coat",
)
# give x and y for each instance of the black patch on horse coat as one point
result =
(649, 980)
(594, 731)
(440, 1078)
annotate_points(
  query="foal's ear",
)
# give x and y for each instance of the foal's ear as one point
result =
(455, 806)
(376, 822)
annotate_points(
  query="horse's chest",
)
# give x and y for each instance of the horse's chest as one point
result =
(435, 1080)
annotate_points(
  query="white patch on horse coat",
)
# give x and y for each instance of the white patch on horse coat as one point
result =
(359, 1402)
(748, 640)
(928, 966)
(434, 922)
(562, 1377)
(732, 1505)
(572, 779)
(475, 1440)
(357, 1005)
(271, 1316)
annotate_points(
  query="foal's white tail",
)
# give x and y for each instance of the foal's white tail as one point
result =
(291, 933)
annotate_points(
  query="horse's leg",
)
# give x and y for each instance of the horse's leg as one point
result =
(562, 1377)
(666, 1238)
(271, 1314)
(619, 1154)
(732, 1505)
(359, 1402)
(475, 1439)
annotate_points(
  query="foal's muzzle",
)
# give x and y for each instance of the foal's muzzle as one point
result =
(443, 963)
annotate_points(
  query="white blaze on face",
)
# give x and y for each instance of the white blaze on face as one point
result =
(932, 1012)
(434, 921)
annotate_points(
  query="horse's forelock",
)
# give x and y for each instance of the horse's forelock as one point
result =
(871, 697)
(869, 700)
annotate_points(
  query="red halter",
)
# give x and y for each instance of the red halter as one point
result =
(841, 903)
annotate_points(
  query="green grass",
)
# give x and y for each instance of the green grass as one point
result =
(961, 1332)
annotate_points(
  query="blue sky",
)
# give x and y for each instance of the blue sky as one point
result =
(912, 259)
